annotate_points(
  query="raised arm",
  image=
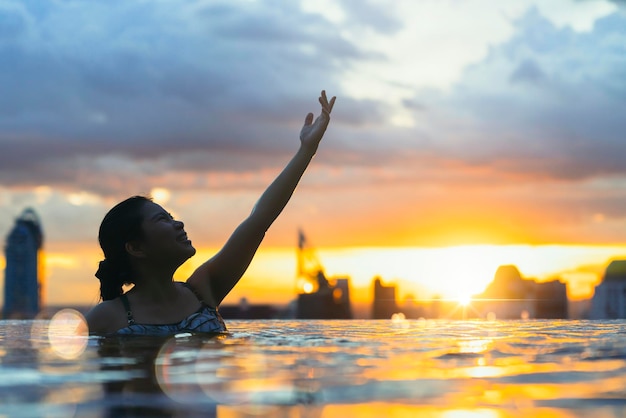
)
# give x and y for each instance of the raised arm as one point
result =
(216, 278)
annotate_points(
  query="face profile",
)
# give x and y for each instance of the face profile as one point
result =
(163, 237)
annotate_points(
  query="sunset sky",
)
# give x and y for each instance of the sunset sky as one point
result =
(466, 135)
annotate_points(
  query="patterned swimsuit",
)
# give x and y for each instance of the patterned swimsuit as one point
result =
(205, 319)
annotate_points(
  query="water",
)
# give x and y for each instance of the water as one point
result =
(445, 369)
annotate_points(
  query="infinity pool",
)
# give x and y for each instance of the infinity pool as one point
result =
(401, 368)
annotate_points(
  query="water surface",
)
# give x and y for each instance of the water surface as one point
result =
(444, 369)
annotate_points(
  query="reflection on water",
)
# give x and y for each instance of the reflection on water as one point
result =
(399, 368)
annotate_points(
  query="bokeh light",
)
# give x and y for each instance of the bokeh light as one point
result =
(244, 376)
(172, 367)
(68, 334)
(398, 320)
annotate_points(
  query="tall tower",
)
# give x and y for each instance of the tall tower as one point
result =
(23, 277)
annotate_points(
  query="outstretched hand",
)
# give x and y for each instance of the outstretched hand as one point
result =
(312, 132)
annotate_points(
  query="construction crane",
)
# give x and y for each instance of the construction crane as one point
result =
(319, 298)
(310, 276)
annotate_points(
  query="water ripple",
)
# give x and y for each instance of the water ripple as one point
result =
(513, 367)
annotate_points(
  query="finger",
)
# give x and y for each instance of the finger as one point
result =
(324, 104)
(332, 103)
(309, 119)
(323, 99)
(328, 107)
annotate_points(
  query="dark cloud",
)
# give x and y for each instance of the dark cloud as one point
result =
(153, 79)
(195, 86)
(527, 72)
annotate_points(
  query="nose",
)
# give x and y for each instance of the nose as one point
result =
(179, 224)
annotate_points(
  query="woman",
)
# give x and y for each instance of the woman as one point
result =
(144, 245)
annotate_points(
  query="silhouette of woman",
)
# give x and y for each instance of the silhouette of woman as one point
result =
(143, 245)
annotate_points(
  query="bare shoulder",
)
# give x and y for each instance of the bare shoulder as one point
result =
(106, 317)
(200, 283)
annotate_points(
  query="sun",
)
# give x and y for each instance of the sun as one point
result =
(461, 271)
(464, 300)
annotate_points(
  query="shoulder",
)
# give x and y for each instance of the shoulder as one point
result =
(202, 289)
(106, 317)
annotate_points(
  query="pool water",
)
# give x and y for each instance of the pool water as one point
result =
(278, 368)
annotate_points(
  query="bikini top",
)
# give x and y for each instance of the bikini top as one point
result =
(205, 319)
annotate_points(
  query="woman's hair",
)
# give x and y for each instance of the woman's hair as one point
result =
(120, 225)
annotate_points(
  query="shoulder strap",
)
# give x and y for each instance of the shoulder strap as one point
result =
(197, 295)
(129, 313)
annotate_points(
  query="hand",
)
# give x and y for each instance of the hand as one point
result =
(312, 132)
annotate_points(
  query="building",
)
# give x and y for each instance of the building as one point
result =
(330, 300)
(509, 296)
(384, 300)
(551, 300)
(318, 296)
(245, 310)
(23, 275)
(609, 298)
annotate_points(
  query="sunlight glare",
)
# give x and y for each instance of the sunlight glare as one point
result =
(464, 300)
(308, 287)
(83, 198)
(464, 270)
(160, 195)
(61, 260)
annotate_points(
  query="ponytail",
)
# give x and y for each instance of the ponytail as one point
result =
(111, 280)
(120, 225)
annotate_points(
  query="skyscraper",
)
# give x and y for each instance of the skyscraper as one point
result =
(384, 302)
(23, 277)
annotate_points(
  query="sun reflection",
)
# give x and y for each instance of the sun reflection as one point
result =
(484, 371)
(68, 334)
(474, 346)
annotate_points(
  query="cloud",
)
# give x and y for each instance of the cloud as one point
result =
(489, 105)
(223, 86)
(152, 79)
(548, 102)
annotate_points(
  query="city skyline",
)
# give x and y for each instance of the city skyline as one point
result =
(483, 132)
(420, 273)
